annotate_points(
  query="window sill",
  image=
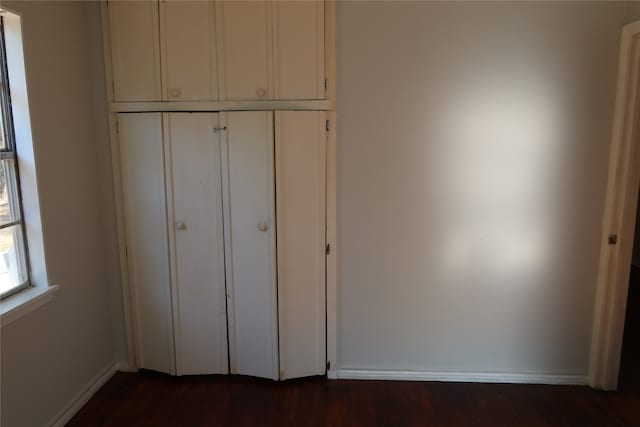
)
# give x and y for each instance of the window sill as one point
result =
(24, 302)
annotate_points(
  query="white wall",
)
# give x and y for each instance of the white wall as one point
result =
(53, 353)
(633, 10)
(472, 153)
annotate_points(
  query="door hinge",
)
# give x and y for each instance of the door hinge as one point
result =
(327, 125)
(613, 239)
(327, 249)
(326, 85)
(117, 127)
(328, 365)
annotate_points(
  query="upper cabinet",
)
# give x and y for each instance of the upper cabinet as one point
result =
(189, 70)
(135, 50)
(298, 49)
(183, 50)
(244, 29)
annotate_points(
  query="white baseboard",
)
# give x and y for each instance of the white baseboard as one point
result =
(125, 367)
(332, 374)
(83, 397)
(472, 377)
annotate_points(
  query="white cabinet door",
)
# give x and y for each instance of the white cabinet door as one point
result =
(188, 50)
(244, 44)
(142, 159)
(300, 138)
(135, 50)
(298, 49)
(195, 230)
(250, 243)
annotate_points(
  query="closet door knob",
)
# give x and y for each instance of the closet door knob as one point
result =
(263, 227)
(175, 93)
(261, 92)
(181, 225)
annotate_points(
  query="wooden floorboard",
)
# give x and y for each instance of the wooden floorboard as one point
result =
(150, 399)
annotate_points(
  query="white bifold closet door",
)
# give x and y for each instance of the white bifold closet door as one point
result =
(300, 193)
(142, 164)
(201, 193)
(173, 207)
(250, 243)
(194, 188)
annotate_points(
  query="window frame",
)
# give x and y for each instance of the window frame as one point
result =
(9, 152)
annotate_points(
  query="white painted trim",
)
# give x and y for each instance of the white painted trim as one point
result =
(330, 51)
(619, 218)
(331, 191)
(331, 264)
(118, 195)
(172, 106)
(453, 376)
(83, 397)
(123, 366)
(24, 302)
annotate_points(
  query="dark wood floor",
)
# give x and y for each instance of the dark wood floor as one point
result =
(156, 400)
(149, 399)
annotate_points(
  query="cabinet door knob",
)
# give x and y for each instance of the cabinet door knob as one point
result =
(263, 226)
(261, 92)
(181, 225)
(175, 93)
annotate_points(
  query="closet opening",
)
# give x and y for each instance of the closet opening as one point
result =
(629, 377)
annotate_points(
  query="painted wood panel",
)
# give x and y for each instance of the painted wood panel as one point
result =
(142, 158)
(250, 243)
(245, 43)
(300, 139)
(298, 49)
(135, 50)
(195, 218)
(188, 50)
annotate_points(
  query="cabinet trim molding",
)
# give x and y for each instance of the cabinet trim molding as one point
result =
(170, 106)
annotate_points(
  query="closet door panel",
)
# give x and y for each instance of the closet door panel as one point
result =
(300, 189)
(251, 269)
(142, 157)
(298, 49)
(245, 41)
(193, 156)
(188, 50)
(135, 50)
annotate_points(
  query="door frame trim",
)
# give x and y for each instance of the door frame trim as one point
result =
(331, 262)
(118, 199)
(619, 219)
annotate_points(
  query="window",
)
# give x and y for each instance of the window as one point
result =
(14, 272)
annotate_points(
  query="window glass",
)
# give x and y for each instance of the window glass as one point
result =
(13, 248)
